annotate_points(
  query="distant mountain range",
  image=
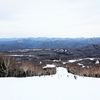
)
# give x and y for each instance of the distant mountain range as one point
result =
(24, 43)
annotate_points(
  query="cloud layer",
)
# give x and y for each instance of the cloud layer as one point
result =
(49, 18)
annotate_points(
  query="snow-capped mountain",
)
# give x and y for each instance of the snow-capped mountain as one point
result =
(23, 43)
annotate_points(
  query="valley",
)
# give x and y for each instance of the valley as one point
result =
(30, 62)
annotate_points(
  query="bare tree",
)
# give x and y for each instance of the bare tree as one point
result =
(5, 64)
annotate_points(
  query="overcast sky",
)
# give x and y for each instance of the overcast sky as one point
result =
(49, 18)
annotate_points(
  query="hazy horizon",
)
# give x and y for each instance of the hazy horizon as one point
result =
(48, 37)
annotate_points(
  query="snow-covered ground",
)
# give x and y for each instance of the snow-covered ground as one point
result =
(49, 66)
(61, 86)
(71, 61)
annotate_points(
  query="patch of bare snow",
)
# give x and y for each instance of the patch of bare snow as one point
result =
(21, 55)
(90, 58)
(81, 65)
(56, 60)
(97, 62)
(71, 61)
(64, 62)
(40, 62)
(49, 66)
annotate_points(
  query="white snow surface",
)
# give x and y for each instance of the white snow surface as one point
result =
(97, 62)
(90, 58)
(20, 55)
(61, 86)
(81, 65)
(71, 61)
(49, 66)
